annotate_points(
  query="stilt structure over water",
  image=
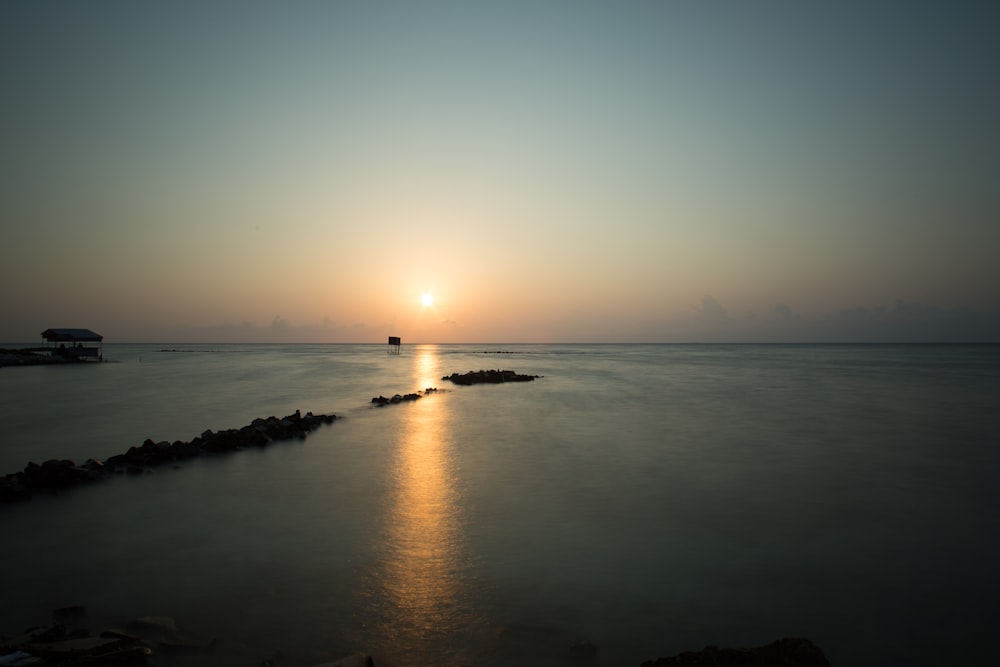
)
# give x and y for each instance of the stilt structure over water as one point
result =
(77, 344)
(393, 347)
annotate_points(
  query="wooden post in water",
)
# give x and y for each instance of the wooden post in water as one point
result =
(393, 345)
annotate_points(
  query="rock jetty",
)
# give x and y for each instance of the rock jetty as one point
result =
(57, 475)
(488, 377)
(381, 401)
(788, 652)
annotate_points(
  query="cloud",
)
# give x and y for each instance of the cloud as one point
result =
(712, 312)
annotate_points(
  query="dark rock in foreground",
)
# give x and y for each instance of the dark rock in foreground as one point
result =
(56, 475)
(490, 377)
(59, 645)
(788, 652)
(144, 642)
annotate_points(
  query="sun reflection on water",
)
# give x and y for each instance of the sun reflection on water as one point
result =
(420, 580)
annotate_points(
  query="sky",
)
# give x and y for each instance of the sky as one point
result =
(548, 171)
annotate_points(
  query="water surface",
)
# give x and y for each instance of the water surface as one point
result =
(649, 499)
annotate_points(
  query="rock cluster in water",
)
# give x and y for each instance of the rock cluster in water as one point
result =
(64, 642)
(381, 401)
(492, 377)
(56, 475)
(788, 652)
(143, 641)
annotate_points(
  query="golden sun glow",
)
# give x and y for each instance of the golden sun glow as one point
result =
(427, 299)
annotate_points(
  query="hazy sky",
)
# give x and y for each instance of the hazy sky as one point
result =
(549, 171)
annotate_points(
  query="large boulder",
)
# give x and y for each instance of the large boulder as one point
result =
(488, 377)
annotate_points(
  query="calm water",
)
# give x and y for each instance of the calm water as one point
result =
(648, 499)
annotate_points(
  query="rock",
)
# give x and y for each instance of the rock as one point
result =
(788, 652)
(488, 377)
(13, 488)
(184, 450)
(134, 647)
(356, 660)
(43, 634)
(72, 619)
(161, 633)
(56, 474)
(19, 659)
(90, 650)
(380, 401)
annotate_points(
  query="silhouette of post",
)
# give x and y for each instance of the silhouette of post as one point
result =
(393, 345)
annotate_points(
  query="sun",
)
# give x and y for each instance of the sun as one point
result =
(427, 299)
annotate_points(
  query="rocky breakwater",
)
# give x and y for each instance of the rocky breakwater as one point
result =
(488, 377)
(57, 475)
(382, 401)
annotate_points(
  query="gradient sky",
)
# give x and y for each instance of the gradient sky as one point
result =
(550, 171)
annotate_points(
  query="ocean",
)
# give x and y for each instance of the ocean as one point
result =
(642, 499)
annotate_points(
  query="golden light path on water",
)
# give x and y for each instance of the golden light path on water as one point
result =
(420, 580)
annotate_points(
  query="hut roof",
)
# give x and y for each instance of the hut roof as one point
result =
(71, 336)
